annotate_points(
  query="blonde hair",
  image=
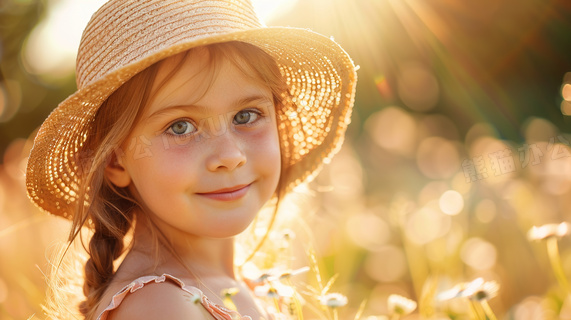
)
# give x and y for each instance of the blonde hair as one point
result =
(108, 210)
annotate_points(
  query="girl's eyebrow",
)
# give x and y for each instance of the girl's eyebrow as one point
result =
(203, 110)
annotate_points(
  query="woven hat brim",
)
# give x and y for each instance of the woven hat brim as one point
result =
(318, 71)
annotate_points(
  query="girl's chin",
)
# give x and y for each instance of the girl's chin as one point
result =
(228, 232)
(228, 229)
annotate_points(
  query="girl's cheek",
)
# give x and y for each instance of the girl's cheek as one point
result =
(267, 142)
(167, 167)
(143, 150)
(173, 150)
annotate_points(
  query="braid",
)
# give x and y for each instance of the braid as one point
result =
(111, 223)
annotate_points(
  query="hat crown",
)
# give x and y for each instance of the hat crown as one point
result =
(123, 32)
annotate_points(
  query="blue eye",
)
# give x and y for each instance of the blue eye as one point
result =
(181, 127)
(245, 116)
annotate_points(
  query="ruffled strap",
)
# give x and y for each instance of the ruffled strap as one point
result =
(218, 312)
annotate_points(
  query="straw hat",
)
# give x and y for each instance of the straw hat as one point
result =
(126, 36)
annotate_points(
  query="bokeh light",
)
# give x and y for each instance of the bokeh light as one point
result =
(530, 309)
(393, 129)
(427, 224)
(377, 267)
(485, 210)
(538, 129)
(566, 92)
(417, 87)
(437, 158)
(497, 159)
(556, 178)
(368, 230)
(479, 130)
(566, 107)
(479, 254)
(451, 202)
(432, 191)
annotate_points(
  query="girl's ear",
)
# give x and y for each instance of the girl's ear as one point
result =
(116, 172)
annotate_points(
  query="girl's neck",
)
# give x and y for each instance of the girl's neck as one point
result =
(182, 253)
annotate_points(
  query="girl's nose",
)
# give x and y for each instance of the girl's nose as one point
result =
(227, 153)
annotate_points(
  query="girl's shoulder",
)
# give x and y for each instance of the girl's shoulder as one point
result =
(163, 297)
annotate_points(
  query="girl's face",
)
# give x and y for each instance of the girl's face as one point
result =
(204, 157)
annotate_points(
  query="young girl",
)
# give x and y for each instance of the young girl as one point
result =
(189, 118)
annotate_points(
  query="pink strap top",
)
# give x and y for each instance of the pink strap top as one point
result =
(218, 312)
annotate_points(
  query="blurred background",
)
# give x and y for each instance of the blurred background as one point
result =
(459, 144)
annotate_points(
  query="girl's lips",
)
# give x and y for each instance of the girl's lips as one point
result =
(227, 194)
